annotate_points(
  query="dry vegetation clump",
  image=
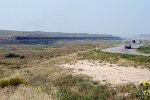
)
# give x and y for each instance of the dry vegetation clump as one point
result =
(12, 82)
(25, 93)
(13, 55)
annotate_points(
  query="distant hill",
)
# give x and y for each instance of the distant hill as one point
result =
(10, 35)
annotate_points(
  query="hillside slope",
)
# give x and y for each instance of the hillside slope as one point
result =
(8, 34)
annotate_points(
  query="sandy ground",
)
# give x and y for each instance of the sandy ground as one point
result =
(109, 73)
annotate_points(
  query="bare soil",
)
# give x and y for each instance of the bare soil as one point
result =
(105, 72)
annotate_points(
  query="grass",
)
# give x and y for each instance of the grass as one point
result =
(144, 49)
(54, 46)
(47, 81)
(81, 88)
(25, 93)
(2, 50)
(125, 59)
(12, 82)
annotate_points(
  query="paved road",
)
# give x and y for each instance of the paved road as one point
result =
(121, 49)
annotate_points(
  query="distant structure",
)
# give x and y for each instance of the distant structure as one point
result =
(133, 41)
(128, 44)
(139, 42)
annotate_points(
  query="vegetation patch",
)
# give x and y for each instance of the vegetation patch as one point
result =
(54, 46)
(116, 58)
(144, 48)
(12, 82)
(81, 88)
(13, 55)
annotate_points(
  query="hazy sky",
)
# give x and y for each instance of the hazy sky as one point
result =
(119, 17)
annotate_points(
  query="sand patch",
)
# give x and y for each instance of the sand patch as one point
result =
(105, 72)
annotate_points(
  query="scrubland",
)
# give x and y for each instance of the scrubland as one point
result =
(35, 74)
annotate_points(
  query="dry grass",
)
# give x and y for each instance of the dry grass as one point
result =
(125, 59)
(37, 72)
(12, 82)
(124, 62)
(24, 93)
(41, 70)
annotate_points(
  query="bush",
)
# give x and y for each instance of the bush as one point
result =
(144, 49)
(12, 82)
(22, 57)
(81, 88)
(12, 55)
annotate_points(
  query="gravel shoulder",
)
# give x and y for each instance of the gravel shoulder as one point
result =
(105, 72)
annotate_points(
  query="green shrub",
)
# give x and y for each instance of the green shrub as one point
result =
(12, 82)
(81, 88)
(12, 55)
(145, 86)
(144, 49)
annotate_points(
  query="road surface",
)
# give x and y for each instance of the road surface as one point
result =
(121, 49)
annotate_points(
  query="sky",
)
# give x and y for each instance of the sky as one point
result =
(117, 17)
